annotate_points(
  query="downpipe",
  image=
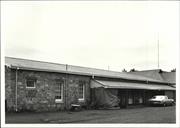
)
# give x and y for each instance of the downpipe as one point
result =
(16, 97)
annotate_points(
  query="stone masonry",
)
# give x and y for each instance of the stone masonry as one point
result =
(42, 97)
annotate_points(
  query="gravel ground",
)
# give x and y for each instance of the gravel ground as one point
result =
(130, 115)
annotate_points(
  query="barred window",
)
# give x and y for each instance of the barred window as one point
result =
(81, 90)
(59, 91)
(30, 83)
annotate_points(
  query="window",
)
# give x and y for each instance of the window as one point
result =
(59, 91)
(30, 83)
(81, 90)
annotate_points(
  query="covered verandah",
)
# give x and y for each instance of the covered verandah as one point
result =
(124, 94)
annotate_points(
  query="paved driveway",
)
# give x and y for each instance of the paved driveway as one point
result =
(133, 115)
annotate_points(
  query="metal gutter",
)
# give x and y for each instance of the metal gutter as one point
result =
(16, 93)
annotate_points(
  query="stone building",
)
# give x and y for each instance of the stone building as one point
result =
(42, 86)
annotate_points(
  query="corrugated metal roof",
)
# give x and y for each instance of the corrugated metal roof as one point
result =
(149, 73)
(158, 74)
(169, 77)
(54, 67)
(125, 85)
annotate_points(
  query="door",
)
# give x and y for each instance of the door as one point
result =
(122, 95)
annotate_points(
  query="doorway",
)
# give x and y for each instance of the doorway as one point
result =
(123, 96)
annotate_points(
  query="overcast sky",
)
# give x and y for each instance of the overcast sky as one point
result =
(93, 34)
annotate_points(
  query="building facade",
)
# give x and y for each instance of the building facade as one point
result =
(45, 91)
(42, 86)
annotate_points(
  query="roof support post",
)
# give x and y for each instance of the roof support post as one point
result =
(127, 97)
(144, 97)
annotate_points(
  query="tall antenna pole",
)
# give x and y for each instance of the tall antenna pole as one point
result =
(158, 50)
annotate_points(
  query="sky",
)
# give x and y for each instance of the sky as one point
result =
(106, 34)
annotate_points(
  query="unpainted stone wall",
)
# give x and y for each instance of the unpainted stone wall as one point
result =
(72, 90)
(42, 97)
(9, 90)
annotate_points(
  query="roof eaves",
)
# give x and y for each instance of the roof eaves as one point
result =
(86, 74)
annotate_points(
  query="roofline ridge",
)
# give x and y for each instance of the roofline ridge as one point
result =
(62, 64)
(35, 60)
(148, 70)
(96, 69)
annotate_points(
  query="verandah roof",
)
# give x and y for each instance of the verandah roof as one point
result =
(127, 85)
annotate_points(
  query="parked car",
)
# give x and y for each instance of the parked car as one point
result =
(161, 100)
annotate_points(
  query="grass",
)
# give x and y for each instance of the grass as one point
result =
(130, 115)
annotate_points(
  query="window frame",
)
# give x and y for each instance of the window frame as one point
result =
(83, 85)
(58, 100)
(31, 79)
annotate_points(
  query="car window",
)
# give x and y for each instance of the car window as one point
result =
(154, 97)
(158, 97)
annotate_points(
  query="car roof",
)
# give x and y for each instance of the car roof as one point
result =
(160, 95)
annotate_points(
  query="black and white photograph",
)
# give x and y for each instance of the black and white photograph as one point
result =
(90, 63)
